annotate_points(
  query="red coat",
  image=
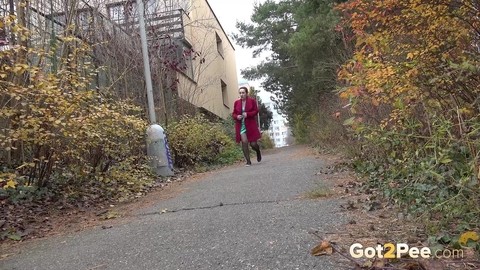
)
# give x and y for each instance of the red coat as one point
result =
(251, 108)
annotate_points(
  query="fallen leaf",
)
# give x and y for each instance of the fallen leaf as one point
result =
(10, 184)
(111, 215)
(466, 236)
(323, 248)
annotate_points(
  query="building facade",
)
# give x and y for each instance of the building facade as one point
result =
(279, 130)
(191, 36)
(192, 59)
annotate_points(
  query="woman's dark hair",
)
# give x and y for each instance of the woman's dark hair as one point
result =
(243, 87)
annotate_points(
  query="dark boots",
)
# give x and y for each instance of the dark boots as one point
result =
(256, 147)
(246, 153)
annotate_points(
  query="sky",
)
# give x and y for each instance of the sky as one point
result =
(228, 13)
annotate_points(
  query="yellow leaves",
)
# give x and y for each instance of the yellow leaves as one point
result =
(10, 184)
(47, 113)
(111, 215)
(30, 164)
(412, 55)
(468, 236)
(467, 111)
(344, 95)
(324, 248)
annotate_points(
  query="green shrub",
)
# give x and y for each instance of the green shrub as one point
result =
(195, 140)
(228, 126)
(321, 129)
(229, 155)
(429, 177)
(266, 141)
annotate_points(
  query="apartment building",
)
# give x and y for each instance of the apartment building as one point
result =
(279, 130)
(190, 35)
(192, 59)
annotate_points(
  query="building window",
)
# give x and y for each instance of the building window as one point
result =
(219, 45)
(177, 54)
(59, 22)
(82, 19)
(122, 12)
(126, 11)
(185, 53)
(224, 93)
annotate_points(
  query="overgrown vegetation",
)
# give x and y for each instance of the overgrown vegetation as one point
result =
(68, 142)
(198, 141)
(416, 105)
(402, 76)
(63, 141)
(58, 133)
(266, 142)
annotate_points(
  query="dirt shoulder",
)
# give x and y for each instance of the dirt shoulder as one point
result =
(374, 221)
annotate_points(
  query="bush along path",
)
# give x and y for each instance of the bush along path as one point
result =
(108, 177)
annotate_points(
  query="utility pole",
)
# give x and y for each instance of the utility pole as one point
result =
(146, 63)
(157, 145)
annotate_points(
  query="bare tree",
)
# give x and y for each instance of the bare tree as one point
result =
(181, 58)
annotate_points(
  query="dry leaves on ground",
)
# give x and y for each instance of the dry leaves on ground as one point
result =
(374, 221)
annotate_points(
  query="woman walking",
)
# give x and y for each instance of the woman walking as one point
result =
(244, 113)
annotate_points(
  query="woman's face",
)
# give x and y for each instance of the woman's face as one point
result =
(243, 93)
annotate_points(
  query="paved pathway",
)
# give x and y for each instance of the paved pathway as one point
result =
(235, 218)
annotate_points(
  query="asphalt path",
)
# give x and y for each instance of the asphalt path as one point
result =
(237, 217)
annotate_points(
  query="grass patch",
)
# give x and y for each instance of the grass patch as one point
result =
(320, 191)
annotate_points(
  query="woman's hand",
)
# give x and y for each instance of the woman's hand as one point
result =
(239, 117)
(244, 115)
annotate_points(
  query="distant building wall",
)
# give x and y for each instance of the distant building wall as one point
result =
(279, 130)
(215, 75)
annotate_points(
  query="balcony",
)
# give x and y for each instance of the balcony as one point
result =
(165, 24)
